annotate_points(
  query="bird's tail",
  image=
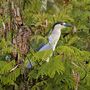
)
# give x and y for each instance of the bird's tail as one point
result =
(29, 65)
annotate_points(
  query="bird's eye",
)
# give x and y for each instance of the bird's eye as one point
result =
(61, 23)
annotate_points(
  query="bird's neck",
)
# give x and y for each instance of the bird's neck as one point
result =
(56, 31)
(54, 37)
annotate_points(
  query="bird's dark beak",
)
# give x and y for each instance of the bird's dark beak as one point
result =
(68, 25)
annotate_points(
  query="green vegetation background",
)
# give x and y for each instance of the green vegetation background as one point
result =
(55, 75)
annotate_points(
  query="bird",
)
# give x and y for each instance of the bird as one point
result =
(53, 39)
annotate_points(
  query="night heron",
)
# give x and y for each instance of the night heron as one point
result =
(53, 39)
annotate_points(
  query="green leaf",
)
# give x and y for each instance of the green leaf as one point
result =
(50, 68)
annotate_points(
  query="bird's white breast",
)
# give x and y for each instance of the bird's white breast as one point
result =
(54, 37)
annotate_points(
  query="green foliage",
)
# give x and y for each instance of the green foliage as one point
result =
(49, 69)
(72, 52)
(10, 78)
(37, 41)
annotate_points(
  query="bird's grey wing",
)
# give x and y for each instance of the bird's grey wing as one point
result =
(46, 47)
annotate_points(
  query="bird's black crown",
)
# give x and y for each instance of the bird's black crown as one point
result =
(57, 23)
